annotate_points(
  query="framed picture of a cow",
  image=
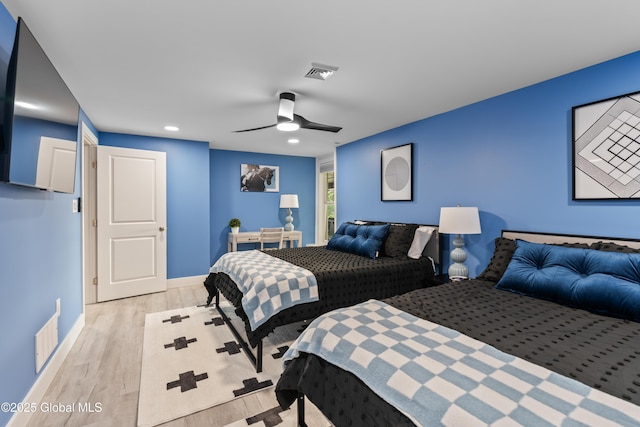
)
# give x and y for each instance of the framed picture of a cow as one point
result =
(260, 178)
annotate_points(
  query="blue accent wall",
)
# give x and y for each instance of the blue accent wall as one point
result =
(40, 261)
(258, 209)
(511, 156)
(187, 199)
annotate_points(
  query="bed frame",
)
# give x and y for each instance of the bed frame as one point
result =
(530, 236)
(539, 237)
(432, 250)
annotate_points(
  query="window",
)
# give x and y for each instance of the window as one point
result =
(328, 209)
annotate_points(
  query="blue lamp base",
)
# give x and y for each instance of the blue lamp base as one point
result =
(288, 226)
(457, 270)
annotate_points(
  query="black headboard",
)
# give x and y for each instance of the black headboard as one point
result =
(433, 249)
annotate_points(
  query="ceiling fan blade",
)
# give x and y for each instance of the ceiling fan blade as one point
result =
(306, 124)
(249, 130)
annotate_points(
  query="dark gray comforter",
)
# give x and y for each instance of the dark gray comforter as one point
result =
(343, 279)
(599, 351)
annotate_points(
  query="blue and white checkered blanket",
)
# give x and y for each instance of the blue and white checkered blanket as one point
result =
(439, 377)
(268, 284)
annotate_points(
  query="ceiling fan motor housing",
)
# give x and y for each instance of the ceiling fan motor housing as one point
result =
(285, 109)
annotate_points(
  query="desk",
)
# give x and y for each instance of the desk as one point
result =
(254, 237)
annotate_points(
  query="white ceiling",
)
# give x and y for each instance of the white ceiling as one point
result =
(214, 66)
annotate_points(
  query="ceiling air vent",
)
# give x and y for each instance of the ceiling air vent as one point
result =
(320, 72)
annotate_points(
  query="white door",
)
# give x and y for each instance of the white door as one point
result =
(131, 219)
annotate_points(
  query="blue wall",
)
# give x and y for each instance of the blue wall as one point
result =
(187, 199)
(510, 156)
(40, 261)
(255, 210)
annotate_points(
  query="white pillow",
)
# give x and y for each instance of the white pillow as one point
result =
(420, 239)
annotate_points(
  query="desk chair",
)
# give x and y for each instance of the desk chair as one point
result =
(272, 235)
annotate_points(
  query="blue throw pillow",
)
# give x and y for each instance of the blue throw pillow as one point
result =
(602, 282)
(364, 240)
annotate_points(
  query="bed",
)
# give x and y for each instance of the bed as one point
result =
(345, 275)
(596, 350)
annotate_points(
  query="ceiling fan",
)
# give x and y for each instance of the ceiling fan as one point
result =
(288, 121)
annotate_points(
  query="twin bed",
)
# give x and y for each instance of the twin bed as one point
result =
(364, 260)
(539, 351)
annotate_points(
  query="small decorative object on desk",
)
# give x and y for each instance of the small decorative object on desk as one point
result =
(234, 224)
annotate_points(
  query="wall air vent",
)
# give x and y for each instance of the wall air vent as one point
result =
(320, 71)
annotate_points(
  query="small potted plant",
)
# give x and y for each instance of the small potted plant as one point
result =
(234, 223)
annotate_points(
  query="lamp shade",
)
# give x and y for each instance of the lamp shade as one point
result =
(459, 220)
(289, 201)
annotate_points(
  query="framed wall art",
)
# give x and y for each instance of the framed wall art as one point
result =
(260, 178)
(606, 149)
(396, 173)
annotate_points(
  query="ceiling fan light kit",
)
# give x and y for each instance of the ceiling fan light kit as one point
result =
(288, 126)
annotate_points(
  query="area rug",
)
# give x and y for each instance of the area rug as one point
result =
(191, 361)
(278, 417)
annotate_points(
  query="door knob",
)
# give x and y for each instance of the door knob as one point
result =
(161, 229)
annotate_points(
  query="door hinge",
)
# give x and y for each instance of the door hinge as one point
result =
(95, 281)
(94, 222)
(94, 164)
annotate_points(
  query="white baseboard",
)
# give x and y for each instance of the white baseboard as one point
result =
(39, 388)
(186, 281)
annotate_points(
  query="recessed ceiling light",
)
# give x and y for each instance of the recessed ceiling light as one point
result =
(172, 128)
(293, 140)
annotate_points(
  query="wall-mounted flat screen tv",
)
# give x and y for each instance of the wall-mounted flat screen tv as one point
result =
(40, 126)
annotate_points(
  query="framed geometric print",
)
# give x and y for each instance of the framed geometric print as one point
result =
(396, 173)
(606, 149)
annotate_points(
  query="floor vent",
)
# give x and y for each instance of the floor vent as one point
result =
(47, 339)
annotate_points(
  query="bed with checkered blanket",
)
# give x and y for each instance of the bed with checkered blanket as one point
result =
(342, 279)
(268, 285)
(599, 351)
(437, 376)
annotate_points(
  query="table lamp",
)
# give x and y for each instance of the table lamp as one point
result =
(288, 201)
(459, 221)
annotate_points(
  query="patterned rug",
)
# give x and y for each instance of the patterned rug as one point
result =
(191, 361)
(277, 417)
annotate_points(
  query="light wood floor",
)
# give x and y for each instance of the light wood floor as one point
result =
(103, 367)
